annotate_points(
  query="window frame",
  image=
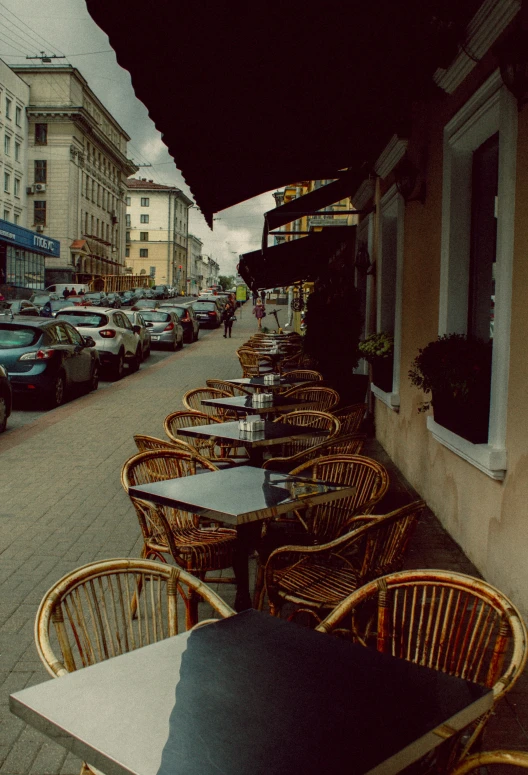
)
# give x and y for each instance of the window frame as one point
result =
(144, 218)
(38, 177)
(143, 236)
(143, 252)
(41, 139)
(41, 209)
(145, 201)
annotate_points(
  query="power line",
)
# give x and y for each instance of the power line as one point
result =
(10, 43)
(41, 37)
(91, 53)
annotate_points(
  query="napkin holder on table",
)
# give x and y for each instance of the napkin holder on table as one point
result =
(262, 399)
(251, 424)
(271, 379)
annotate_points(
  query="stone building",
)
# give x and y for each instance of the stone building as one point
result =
(195, 274)
(157, 232)
(77, 167)
(14, 98)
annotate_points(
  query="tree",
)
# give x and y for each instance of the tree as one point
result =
(226, 281)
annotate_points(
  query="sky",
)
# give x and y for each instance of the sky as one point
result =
(28, 27)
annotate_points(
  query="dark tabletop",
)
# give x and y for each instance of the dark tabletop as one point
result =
(244, 404)
(240, 494)
(251, 694)
(273, 433)
(259, 382)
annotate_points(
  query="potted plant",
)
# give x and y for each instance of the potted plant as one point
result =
(456, 370)
(378, 350)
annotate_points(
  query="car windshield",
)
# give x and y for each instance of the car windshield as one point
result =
(204, 305)
(40, 299)
(156, 317)
(144, 303)
(83, 319)
(17, 336)
(60, 304)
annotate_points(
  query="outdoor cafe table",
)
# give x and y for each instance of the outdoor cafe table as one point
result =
(257, 383)
(244, 404)
(274, 433)
(243, 496)
(251, 694)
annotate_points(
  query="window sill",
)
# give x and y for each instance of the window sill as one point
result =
(392, 400)
(490, 460)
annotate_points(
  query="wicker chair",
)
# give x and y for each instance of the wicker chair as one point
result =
(443, 620)
(324, 398)
(253, 363)
(171, 531)
(351, 444)
(304, 375)
(318, 578)
(227, 387)
(207, 448)
(148, 443)
(487, 758)
(314, 419)
(192, 400)
(110, 589)
(351, 417)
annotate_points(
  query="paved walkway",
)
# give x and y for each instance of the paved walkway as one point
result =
(62, 505)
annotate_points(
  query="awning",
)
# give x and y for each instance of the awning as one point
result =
(307, 258)
(274, 93)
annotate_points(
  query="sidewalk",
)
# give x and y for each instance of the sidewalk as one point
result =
(62, 505)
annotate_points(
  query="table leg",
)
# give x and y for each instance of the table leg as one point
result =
(256, 456)
(248, 537)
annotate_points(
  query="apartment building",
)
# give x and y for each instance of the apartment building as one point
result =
(77, 168)
(14, 98)
(157, 231)
(195, 274)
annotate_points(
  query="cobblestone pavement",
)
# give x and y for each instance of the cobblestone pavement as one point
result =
(62, 505)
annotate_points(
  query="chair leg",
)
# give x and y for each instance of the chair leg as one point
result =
(258, 596)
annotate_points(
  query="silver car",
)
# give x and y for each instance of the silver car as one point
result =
(165, 328)
(116, 338)
(137, 319)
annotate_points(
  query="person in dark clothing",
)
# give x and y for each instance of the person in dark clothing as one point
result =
(65, 293)
(228, 318)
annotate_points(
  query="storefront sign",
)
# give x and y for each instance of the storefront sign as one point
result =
(24, 238)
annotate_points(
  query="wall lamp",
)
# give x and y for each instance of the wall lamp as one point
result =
(406, 175)
(513, 61)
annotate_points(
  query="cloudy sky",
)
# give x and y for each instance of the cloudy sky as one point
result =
(28, 27)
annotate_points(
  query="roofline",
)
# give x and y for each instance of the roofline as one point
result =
(163, 190)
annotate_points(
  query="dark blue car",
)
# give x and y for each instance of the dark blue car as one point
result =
(47, 358)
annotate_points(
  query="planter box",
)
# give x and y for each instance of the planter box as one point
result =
(382, 369)
(469, 419)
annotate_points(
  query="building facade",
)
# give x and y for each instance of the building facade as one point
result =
(14, 99)
(23, 255)
(77, 168)
(157, 233)
(195, 265)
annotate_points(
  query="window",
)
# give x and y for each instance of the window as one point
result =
(17, 151)
(143, 252)
(143, 236)
(128, 201)
(17, 219)
(7, 215)
(74, 335)
(39, 212)
(127, 236)
(127, 252)
(127, 219)
(86, 223)
(144, 218)
(7, 182)
(145, 201)
(7, 145)
(87, 194)
(16, 189)
(18, 115)
(41, 171)
(41, 134)
(8, 107)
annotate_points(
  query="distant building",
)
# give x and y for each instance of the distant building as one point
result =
(195, 265)
(14, 99)
(211, 272)
(157, 232)
(77, 168)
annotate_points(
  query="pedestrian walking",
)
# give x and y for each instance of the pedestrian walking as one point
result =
(255, 297)
(259, 312)
(228, 316)
(263, 297)
(65, 293)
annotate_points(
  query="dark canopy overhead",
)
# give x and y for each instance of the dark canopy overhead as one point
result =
(307, 258)
(250, 96)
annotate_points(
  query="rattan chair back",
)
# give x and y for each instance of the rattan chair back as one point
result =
(108, 608)
(228, 387)
(254, 363)
(352, 444)
(148, 443)
(445, 621)
(186, 419)
(485, 759)
(304, 375)
(192, 400)
(369, 478)
(351, 417)
(309, 418)
(325, 399)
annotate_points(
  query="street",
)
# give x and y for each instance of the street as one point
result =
(62, 505)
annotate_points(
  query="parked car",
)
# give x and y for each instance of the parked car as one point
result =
(160, 292)
(113, 300)
(128, 298)
(137, 319)
(12, 307)
(140, 293)
(50, 308)
(6, 398)
(47, 358)
(145, 304)
(116, 338)
(165, 328)
(149, 294)
(188, 319)
(39, 298)
(96, 299)
(208, 312)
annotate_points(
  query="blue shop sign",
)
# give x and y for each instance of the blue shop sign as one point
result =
(24, 238)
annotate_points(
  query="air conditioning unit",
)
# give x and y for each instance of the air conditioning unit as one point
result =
(40, 227)
(30, 190)
(39, 188)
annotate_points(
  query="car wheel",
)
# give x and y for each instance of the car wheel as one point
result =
(118, 367)
(174, 345)
(146, 354)
(136, 362)
(196, 335)
(3, 413)
(180, 344)
(93, 384)
(57, 392)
